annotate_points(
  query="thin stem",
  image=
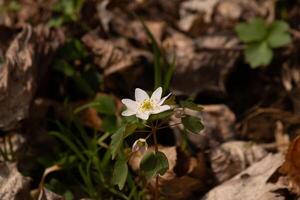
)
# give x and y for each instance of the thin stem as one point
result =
(142, 131)
(153, 130)
(11, 149)
(171, 125)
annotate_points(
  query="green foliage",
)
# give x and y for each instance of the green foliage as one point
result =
(85, 78)
(103, 104)
(120, 173)
(67, 10)
(118, 137)
(192, 124)
(153, 164)
(60, 188)
(93, 168)
(191, 105)
(260, 38)
(163, 68)
(161, 116)
(12, 6)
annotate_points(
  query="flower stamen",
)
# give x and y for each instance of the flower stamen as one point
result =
(147, 105)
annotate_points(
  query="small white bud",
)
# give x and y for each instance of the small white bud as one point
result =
(140, 145)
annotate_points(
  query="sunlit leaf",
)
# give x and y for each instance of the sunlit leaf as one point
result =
(253, 31)
(258, 54)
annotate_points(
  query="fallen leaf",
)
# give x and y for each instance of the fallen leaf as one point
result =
(233, 157)
(12, 184)
(291, 165)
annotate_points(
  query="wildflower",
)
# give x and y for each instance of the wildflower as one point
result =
(140, 145)
(143, 106)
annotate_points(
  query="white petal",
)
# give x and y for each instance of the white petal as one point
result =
(140, 95)
(142, 115)
(130, 104)
(156, 95)
(163, 99)
(161, 109)
(128, 113)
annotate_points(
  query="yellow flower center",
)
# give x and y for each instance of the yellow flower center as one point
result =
(147, 105)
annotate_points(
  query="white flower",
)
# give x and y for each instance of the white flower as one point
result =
(143, 106)
(140, 145)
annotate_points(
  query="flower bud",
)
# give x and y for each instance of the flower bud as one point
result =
(140, 145)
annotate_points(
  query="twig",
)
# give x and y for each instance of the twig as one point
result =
(154, 129)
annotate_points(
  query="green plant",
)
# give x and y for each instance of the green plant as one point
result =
(261, 38)
(12, 6)
(67, 11)
(148, 114)
(72, 62)
(163, 68)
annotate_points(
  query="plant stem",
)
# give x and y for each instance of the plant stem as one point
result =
(154, 129)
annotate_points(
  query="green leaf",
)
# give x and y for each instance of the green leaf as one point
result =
(64, 67)
(157, 56)
(279, 27)
(106, 105)
(253, 31)
(279, 40)
(191, 105)
(192, 124)
(154, 163)
(258, 54)
(130, 128)
(160, 116)
(120, 173)
(103, 104)
(278, 34)
(118, 137)
(117, 140)
(109, 123)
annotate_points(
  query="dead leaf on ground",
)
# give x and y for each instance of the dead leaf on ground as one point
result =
(291, 166)
(26, 61)
(111, 55)
(13, 186)
(250, 184)
(233, 157)
(207, 68)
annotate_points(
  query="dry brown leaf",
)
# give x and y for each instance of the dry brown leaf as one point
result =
(206, 68)
(110, 55)
(26, 61)
(291, 166)
(13, 186)
(250, 184)
(232, 158)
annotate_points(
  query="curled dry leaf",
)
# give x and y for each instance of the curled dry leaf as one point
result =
(110, 55)
(260, 124)
(12, 184)
(250, 184)
(26, 60)
(291, 165)
(203, 61)
(232, 158)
